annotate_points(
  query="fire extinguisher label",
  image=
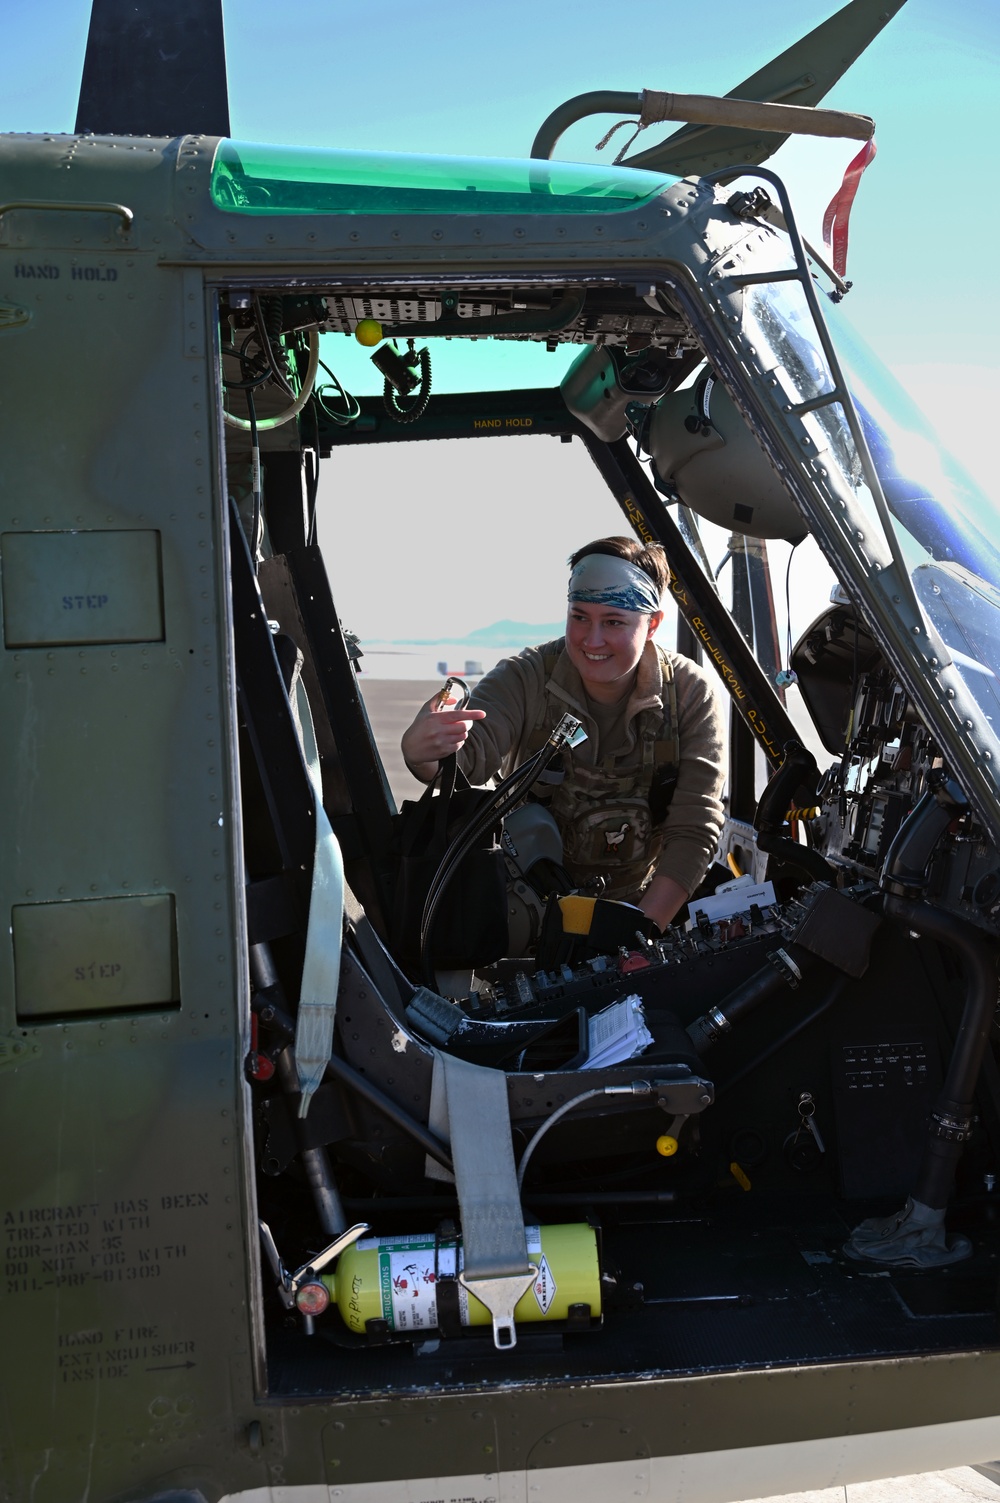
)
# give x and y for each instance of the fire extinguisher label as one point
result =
(410, 1267)
(544, 1287)
(408, 1282)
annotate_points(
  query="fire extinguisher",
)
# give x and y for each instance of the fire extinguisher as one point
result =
(396, 1279)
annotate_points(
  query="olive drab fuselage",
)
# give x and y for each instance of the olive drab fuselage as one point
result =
(157, 832)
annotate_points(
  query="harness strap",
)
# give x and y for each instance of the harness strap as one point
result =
(321, 967)
(538, 736)
(470, 1110)
(668, 748)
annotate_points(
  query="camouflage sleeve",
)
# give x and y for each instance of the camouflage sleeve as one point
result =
(695, 817)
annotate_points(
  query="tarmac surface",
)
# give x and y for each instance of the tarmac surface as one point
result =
(963, 1484)
(391, 705)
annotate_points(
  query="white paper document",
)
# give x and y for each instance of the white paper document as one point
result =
(733, 898)
(618, 1033)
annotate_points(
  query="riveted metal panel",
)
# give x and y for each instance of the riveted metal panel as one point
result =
(101, 955)
(128, 1298)
(79, 587)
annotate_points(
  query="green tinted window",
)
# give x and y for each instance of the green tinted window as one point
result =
(250, 179)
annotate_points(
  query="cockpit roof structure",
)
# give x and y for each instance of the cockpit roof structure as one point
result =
(251, 178)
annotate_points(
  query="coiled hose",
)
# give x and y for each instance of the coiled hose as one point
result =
(408, 409)
(265, 424)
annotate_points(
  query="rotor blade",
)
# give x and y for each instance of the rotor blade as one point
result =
(154, 68)
(803, 74)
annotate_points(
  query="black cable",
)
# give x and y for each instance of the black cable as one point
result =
(312, 487)
(788, 606)
(242, 355)
(244, 359)
(845, 761)
(246, 385)
(509, 793)
(255, 485)
(264, 339)
(413, 407)
(342, 419)
(832, 995)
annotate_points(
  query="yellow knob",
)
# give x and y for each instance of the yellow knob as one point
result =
(666, 1145)
(739, 1176)
(368, 332)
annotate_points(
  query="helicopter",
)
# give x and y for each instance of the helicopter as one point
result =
(287, 1213)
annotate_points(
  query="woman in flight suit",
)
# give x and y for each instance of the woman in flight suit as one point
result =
(639, 804)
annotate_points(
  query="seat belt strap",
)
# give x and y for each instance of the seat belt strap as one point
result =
(321, 967)
(476, 1108)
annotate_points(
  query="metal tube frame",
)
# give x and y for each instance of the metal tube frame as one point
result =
(902, 627)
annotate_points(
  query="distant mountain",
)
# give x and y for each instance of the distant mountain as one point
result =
(501, 634)
(513, 634)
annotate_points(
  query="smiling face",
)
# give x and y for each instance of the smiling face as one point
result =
(605, 644)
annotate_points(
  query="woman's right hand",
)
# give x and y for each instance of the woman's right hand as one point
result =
(435, 732)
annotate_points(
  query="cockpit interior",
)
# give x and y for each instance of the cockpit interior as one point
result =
(794, 1156)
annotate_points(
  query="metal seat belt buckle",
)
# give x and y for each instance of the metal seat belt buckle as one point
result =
(500, 1296)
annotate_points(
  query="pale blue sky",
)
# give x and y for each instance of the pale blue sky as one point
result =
(479, 79)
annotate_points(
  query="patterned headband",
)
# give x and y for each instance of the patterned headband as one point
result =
(603, 579)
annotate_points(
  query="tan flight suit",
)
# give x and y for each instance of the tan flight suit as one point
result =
(672, 722)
